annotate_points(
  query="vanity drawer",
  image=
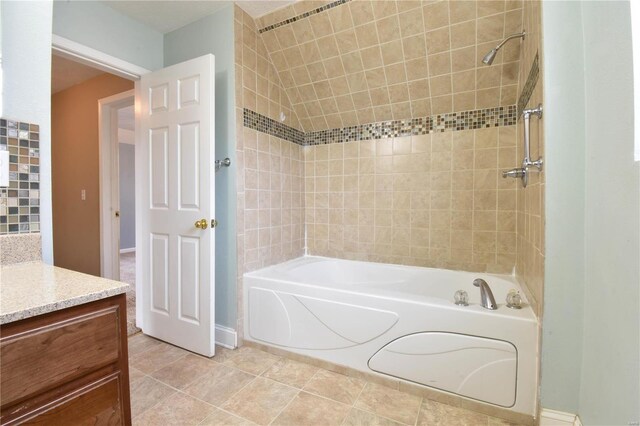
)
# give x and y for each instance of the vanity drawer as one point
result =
(96, 404)
(49, 354)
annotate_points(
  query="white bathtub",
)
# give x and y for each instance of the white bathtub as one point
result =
(399, 321)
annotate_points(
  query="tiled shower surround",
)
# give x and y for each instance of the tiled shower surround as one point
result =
(356, 62)
(530, 200)
(20, 202)
(430, 200)
(393, 138)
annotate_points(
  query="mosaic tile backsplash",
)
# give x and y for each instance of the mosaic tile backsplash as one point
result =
(20, 202)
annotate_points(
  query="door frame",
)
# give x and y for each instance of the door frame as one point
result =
(109, 181)
(96, 59)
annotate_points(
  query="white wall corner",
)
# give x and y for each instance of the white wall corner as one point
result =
(558, 418)
(226, 337)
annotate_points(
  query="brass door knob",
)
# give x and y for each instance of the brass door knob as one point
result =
(202, 224)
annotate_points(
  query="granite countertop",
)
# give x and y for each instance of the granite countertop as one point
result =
(34, 288)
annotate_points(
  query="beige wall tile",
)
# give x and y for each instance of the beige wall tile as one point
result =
(529, 227)
(423, 200)
(406, 41)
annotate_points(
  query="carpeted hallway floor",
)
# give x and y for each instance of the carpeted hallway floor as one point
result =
(128, 275)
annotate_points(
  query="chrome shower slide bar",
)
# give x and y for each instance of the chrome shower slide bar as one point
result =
(523, 172)
(526, 115)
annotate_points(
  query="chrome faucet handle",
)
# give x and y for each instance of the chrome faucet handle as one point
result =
(486, 295)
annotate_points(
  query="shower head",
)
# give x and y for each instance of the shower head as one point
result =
(489, 57)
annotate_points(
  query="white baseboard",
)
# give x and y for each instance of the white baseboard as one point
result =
(558, 418)
(226, 337)
(127, 250)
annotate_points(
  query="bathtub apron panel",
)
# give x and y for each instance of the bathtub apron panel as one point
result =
(301, 322)
(475, 367)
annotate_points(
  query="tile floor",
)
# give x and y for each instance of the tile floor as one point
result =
(171, 386)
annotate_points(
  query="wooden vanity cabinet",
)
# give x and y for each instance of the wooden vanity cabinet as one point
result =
(67, 367)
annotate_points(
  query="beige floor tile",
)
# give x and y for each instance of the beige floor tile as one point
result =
(363, 418)
(220, 384)
(141, 343)
(135, 375)
(147, 392)
(223, 354)
(494, 421)
(251, 360)
(221, 418)
(178, 409)
(260, 401)
(185, 370)
(435, 413)
(157, 357)
(389, 403)
(292, 373)
(335, 386)
(312, 410)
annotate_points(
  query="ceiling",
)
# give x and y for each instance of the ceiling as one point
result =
(66, 73)
(367, 61)
(166, 16)
(262, 7)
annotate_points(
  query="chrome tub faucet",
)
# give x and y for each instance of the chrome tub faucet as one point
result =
(486, 295)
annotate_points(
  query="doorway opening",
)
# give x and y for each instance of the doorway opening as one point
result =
(93, 132)
(127, 208)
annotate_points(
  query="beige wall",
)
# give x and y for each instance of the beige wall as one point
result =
(530, 200)
(74, 155)
(432, 200)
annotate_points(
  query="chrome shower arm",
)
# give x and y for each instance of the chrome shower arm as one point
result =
(512, 36)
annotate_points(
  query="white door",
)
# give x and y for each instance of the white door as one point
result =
(174, 165)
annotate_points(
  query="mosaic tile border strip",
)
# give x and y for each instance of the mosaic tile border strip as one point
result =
(454, 121)
(303, 15)
(264, 124)
(529, 86)
(20, 202)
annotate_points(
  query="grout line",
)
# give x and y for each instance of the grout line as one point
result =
(285, 407)
(226, 400)
(158, 402)
(419, 411)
